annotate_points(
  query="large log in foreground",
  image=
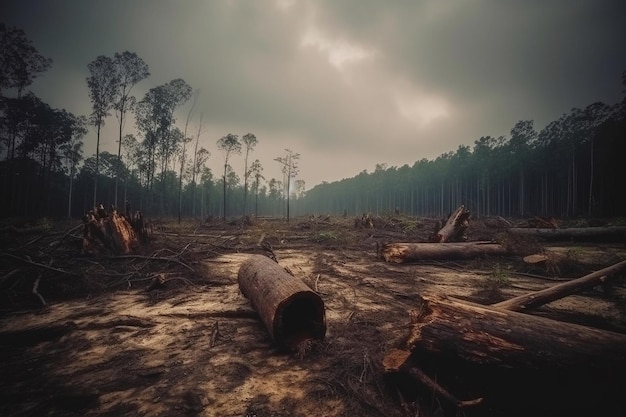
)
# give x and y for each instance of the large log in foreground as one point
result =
(292, 313)
(513, 359)
(410, 252)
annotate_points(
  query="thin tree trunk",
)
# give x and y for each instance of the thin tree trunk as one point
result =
(95, 178)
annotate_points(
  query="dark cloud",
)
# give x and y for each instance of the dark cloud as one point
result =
(347, 84)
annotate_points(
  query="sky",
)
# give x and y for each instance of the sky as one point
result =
(347, 84)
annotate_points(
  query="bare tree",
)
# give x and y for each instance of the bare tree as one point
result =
(290, 169)
(131, 69)
(102, 83)
(250, 141)
(183, 156)
(228, 144)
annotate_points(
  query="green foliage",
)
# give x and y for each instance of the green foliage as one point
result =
(327, 236)
(498, 278)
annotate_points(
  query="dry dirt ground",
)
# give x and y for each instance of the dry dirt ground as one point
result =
(109, 342)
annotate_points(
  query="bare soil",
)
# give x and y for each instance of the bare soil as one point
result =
(111, 341)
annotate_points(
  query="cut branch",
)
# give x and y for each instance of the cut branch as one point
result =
(539, 298)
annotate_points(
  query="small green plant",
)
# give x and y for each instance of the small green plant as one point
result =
(575, 253)
(498, 278)
(326, 236)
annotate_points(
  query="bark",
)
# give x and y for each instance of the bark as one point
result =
(454, 228)
(292, 313)
(411, 252)
(512, 359)
(576, 233)
(111, 233)
(539, 298)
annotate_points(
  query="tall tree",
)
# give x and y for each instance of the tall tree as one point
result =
(103, 82)
(130, 70)
(522, 138)
(72, 152)
(228, 144)
(20, 62)
(200, 158)
(290, 169)
(250, 141)
(183, 156)
(195, 166)
(255, 171)
(155, 118)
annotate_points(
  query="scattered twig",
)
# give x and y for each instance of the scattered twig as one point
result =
(35, 292)
(9, 275)
(153, 258)
(8, 255)
(215, 334)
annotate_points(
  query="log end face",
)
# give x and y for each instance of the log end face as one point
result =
(299, 319)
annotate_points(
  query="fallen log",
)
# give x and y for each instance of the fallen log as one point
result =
(512, 359)
(410, 252)
(454, 228)
(539, 298)
(572, 233)
(293, 314)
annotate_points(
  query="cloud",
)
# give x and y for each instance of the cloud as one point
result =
(349, 83)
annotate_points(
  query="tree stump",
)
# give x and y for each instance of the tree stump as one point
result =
(111, 233)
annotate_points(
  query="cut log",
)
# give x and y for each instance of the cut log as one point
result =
(510, 358)
(411, 252)
(539, 298)
(573, 233)
(292, 312)
(454, 228)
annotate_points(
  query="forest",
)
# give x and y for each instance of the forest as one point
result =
(569, 168)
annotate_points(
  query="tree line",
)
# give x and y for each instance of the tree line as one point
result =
(161, 171)
(571, 167)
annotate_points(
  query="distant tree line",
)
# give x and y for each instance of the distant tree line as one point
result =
(571, 167)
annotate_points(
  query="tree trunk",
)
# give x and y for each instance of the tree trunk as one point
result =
(411, 252)
(513, 360)
(577, 233)
(292, 312)
(454, 228)
(556, 292)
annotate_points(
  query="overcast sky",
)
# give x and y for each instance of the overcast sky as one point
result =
(347, 84)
